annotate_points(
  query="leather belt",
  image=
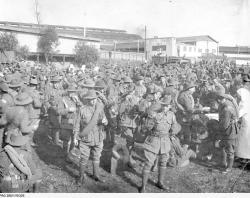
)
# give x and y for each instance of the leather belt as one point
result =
(160, 134)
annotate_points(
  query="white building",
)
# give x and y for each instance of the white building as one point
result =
(196, 46)
(239, 54)
(191, 47)
(161, 46)
(66, 45)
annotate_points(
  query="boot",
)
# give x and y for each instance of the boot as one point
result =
(131, 162)
(114, 164)
(160, 184)
(96, 173)
(145, 176)
(36, 186)
(82, 177)
(230, 163)
(66, 147)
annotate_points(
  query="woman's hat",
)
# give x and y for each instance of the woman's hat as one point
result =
(23, 99)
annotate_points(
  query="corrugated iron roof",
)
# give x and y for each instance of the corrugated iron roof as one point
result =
(195, 39)
(234, 49)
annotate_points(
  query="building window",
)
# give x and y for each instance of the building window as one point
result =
(200, 50)
(190, 49)
(207, 50)
(159, 48)
(184, 48)
(194, 49)
(214, 51)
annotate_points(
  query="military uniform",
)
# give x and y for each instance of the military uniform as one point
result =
(184, 116)
(17, 117)
(157, 142)
(128, 123)
(34, 108)
(55, 112)
(139, 89)
(67, 121)
(228, 132)
(18, 172)
(91, 143)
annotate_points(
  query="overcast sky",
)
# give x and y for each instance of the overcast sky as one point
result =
(227, 21)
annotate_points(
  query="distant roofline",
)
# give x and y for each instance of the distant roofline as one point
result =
(234, 46)
(35, 32)
(177, 38)
(161, 37)
(60, 26)
(234, 49)
(193, 37)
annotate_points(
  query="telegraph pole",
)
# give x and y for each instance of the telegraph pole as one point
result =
(145, 44)
(84, 24)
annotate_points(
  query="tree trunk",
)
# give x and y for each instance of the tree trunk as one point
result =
(46, 58)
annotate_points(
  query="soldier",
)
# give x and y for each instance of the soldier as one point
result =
(186, 105)
(159, 122)
(55, 109)
(18, 172)
(139, 89)
(152, 97)
(35, 107)
(67, 119)
(87, 85)
(162, 80)
(228, 117)
(100, 88)
(126, 85)
(113, 89)
(17, 117)
(148, 101)
(25, 100)
(172, 91)
(128, 114)
(88, 133)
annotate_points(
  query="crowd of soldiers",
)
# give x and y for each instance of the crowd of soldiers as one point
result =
(159, 108)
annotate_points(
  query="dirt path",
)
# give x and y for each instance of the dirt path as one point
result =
(58, 176)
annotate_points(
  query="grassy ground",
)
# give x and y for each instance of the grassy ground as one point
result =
(197, 177)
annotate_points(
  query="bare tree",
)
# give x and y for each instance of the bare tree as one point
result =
(37, 12)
